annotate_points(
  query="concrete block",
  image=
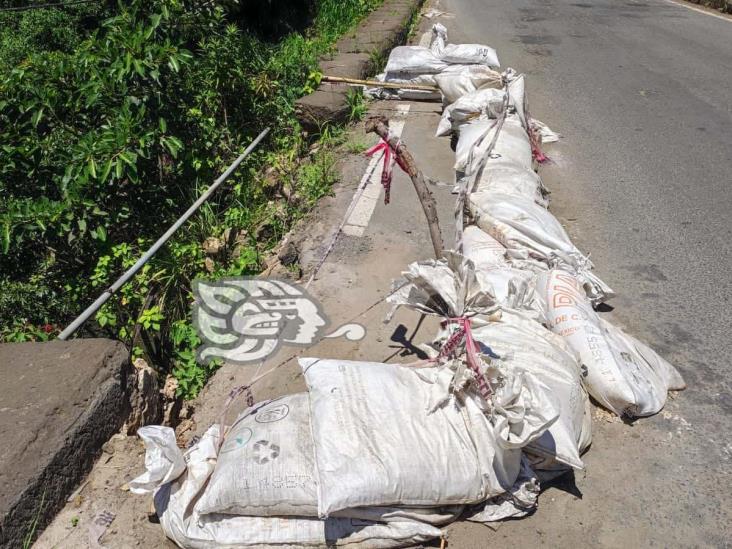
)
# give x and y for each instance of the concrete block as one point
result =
(328, 104)
(348, 65)
(60, 401)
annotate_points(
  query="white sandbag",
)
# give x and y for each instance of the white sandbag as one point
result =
(406, 78)
(471, 131)
(377, 444)
(447, 288)
(488, 102)
(163, 460)
(623, 374)
(524, 344)
(190, 530)
(418, 95)
(459, 80)
(529, 231)
(520, 413)
(414, 59)
(503, 175)
(517, 502)
(546, 134)
(468, 54)
(517, 97)
(265, 466)
(436, 516)
(512, 288)
(438, 39)
(402, 439)
(512, 146)
(482, 249)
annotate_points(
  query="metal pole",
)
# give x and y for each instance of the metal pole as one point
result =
(83, 317)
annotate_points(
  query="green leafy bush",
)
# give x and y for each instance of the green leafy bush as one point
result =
(110, 128)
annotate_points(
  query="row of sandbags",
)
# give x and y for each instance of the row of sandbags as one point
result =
(373, 455)
(381, 455)
(456, 69)
(541, 320)
(532, 263)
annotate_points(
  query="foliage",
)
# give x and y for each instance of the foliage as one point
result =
(37, 30)
(357, 146)
(112, 121)
(356, 104)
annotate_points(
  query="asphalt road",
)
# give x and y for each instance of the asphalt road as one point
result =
(641, 92)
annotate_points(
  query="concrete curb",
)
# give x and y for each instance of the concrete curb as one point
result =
(60, 402)
(355, 57)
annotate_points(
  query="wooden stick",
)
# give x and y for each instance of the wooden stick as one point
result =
(443, 542)
(380, 126)
(377, 84)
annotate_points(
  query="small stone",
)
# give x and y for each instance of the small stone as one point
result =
(170, 387)
(212, 245)
(288, 254)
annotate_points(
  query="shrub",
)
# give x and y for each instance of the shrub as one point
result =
(109, 133)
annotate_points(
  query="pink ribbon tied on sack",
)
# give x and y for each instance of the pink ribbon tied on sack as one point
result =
(471, 352)
(386, 173)
(536, 151)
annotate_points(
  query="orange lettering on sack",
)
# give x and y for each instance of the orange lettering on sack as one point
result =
(565, 291)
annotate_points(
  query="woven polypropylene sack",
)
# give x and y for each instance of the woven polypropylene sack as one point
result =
(376, 443)
(623, 374)
(265, 466)
(529, 231)
(511, 147)
(174, 504)
(502, 175)
(525, 344)
(512, 288)
(488, 103)
(466, 54)
(414, 59)
(459, 80)
(482, 249)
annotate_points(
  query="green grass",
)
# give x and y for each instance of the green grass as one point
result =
(33, 526)
(356, 146)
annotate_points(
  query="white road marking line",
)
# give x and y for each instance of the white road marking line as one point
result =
(705, 12)
(363, 209)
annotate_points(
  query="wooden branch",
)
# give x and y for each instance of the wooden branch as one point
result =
(380, 126)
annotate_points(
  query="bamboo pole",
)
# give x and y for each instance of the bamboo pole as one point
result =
(377, 84)
(380, 126)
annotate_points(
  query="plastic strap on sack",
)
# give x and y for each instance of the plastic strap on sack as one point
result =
(465, 333)
(468, 182)
(389, 158)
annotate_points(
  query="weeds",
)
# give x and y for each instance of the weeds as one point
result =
(109, 136)
(33, 526)
(377, 60)
(356, 146)
(413, 25)
(356, 105)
